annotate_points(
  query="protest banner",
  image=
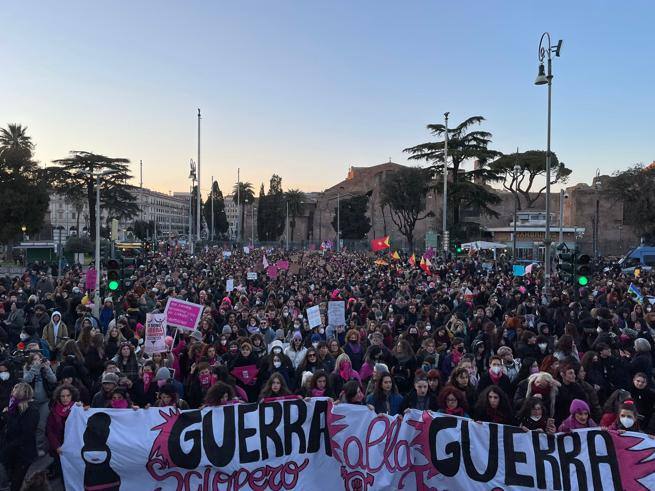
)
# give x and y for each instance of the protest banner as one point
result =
(229, 285)
(182, 314)
(337, 313)
(155, 341)
(314, 316)
(311, 444)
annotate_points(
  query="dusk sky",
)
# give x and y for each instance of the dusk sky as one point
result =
(307, 89)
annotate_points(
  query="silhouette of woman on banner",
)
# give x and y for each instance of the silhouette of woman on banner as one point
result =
(98, 474)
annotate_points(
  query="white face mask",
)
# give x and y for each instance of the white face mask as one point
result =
(4, 376)
(627, 421)
(277, 364)
(535, 418)
(314, 345)
(321, 330)
(543, 346)
(496, 370)
(599, 330)
(95, 456)
(24, 336)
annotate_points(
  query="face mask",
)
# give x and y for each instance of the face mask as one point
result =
(428, 327)
(296, 326)
(119, 404)
(496, 370)
(543, 346)
(204, 378)
(534, 369)
(321, 331)
(24, 337)
(277, 364)
(535, 418)
(94, 457)
(627, 421)
(223, 342)
(315, 345)
(4, 376)
(277, 351)
(147, 377)
(599, 330)
(345, 365)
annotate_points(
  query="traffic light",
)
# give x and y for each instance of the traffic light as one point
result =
(566, 265)
(113, 275)
(583, 269)
(127, 271)
(457, 246)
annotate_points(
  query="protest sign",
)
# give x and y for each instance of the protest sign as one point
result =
(252, 275)
(314, 316)
(518, 270)
(295, 444)
(246, 250)
(337, 313)
(271, 271)
(227, 254)
(282, 264)
(155, 341)
(229, 285)
(182, 314)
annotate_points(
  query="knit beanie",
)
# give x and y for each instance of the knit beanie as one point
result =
(578, 406)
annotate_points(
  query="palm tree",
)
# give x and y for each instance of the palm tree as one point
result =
(462, 145)
(243, 193)
(295, 199)
(15, 137)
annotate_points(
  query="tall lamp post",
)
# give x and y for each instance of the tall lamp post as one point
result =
(339, 218)
(96, 299)
(252, 225)
(597, 186)
(60, 228)
(444, 217)
(545, 52)
(517, 171)
(198, 195)
(192, 176)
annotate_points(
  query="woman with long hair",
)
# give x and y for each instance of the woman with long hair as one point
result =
(460, 379)
(220, 394)
(63, 399)
(452, 401)
(385, 399)
(20, 446)
(113, 340)
(127, 362)
(95, 356)
(275, 388)
(343, 372)
(493, 406)
(351, 393)
(534, 416)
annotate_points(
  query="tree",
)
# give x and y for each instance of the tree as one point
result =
(271, 211)
(221, 224)
(143, 229)
(353, 221)
(294, 199)
(462, 145)
(243, 193)
(72, 178)
(404, 192)
(533, 169)
(24, 195)
(635, 188)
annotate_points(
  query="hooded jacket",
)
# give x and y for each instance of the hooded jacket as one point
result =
(55, 335)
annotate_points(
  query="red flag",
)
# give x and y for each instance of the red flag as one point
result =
(380, 244)
(412, 261)
(425, 265)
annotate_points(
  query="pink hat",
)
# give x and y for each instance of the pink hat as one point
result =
(226, 300)
(578, 406)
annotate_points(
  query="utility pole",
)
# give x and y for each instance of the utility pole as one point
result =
(211, 195)
(198, 197)
(444, 218)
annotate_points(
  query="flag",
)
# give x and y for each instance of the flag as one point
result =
(425, 265)
(412, 261)
(265, 262)
(380, 244)
(635, 293)
(381, 262)
(395, 256)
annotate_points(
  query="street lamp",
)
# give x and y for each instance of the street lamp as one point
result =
(23, 229)
(59, 251)
(543, 78)
(252, 225)
(597, 187)
(444, 217)
(339, 218)
(516, 172)
(192, 176)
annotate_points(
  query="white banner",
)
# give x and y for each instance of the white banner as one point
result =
(337, 313)
(314, 316)
(294, 444)
(155, 341)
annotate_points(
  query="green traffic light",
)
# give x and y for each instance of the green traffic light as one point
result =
(113, 285)
(458, 250)
(583, 280)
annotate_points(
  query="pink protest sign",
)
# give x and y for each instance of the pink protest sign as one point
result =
(272, 272)
(182, 314)
(90, 279)
(282, 264)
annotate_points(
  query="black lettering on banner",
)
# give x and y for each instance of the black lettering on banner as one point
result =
(569, 458)
(492, 452)
(219, 455)
(318, 427)
(267, 431)
(295, 427)
(541, 456)
(450, 465)
(596, 460)
(246, 456)
(184, 460)
(512, 457)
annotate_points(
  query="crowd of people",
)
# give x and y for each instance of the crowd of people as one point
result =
(466, 338)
